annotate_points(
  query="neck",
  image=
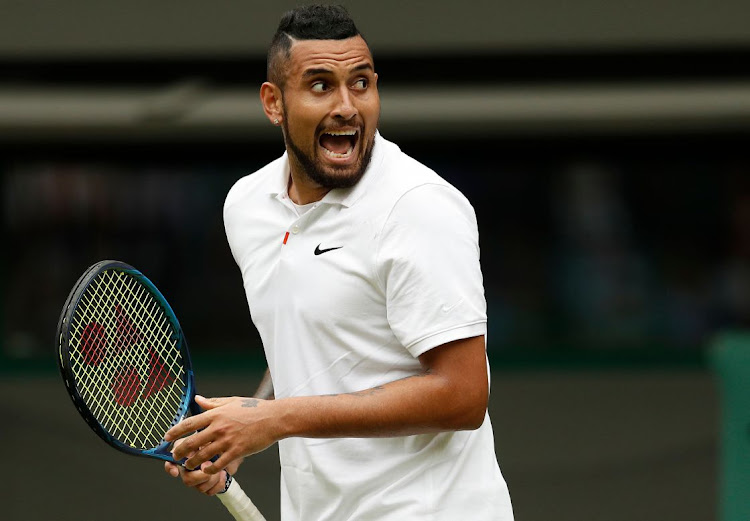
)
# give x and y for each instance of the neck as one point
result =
(302, 190)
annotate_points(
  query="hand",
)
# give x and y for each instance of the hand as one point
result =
(230, 427)
(205, 483)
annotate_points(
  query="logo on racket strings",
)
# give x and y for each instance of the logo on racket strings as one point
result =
(126, 383)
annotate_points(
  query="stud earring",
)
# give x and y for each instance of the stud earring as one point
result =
(276, 121)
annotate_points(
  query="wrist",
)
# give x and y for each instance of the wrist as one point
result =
(285, 420)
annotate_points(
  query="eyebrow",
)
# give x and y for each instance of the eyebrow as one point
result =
(363, 67)
(315, 72)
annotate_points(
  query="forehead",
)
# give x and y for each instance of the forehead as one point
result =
(329, 54)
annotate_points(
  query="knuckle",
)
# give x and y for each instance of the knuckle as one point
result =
(203, 454)
(184, 451)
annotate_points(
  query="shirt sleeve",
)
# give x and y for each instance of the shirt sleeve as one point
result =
(428, 263)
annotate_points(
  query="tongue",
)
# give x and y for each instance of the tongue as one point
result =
(336, 144)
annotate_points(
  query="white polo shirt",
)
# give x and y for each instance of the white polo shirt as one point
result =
(345, 297)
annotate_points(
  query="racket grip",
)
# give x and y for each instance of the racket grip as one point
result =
(239, 505)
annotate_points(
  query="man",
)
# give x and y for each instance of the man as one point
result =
(361, 269)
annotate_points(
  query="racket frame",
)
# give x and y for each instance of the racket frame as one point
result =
(62, 341)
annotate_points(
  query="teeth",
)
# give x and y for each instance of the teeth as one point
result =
(341, 132)
(351, 132)
(340, 156)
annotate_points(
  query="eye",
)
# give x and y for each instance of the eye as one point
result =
(361, 84)
(319, 86)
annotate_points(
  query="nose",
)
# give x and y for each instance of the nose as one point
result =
(344, 108)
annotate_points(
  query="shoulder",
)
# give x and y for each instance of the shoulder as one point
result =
(413, 187)
(252, 185)
(403, 172)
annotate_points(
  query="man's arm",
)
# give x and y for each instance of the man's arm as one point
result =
(210, 484)
(450, 394)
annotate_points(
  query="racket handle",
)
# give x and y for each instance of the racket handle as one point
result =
(239, 505)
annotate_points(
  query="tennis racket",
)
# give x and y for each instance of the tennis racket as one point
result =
(126, 366)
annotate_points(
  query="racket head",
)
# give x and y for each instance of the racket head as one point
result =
(124, 359)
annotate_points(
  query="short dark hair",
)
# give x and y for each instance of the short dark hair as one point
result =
(310, 22)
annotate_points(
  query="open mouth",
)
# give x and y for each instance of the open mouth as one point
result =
(339, 144)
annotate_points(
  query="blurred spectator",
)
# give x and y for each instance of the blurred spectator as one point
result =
(605, 284)
(733, 276)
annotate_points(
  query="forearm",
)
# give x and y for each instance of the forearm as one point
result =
(451, 395)
(416, 405)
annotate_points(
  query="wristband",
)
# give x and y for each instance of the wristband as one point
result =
(226, 483)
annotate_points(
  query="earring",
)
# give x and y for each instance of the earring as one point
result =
(276, 121)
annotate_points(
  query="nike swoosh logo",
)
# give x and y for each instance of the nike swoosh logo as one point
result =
(318, 251)
(447, 309)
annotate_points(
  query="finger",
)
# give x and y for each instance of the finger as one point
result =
(211, 403)
(209, 486)
(191, 445)
(210, 483)
(196, 478)
(218, 465)
(202, 456)
(171, 469)
(188, 425)
(220, 484)
(176, 444)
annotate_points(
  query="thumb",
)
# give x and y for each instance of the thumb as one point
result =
(210, 403)
(171, 469)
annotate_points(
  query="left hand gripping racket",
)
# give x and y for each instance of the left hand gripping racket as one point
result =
(126, 366)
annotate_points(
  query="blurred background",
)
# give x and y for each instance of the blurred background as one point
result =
(603, 145)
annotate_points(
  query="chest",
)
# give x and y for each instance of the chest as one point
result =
(318, 268)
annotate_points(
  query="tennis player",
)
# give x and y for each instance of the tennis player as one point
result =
(361, 269)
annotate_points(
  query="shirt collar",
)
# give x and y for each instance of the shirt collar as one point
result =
(279, 181)
(343, 196)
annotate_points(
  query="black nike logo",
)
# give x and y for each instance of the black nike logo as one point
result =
(318, 251)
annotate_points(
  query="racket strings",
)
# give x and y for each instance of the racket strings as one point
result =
(116, 374)
(152, 414)
(131, 357)
(127, 383)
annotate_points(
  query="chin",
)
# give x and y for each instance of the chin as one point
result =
(333, 177)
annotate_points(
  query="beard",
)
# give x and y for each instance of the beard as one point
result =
(328, 176)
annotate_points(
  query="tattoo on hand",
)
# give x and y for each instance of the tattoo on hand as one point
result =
(250, 402)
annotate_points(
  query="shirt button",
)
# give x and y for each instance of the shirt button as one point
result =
(295, 229)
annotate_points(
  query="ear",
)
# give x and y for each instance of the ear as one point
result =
(270, 97)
